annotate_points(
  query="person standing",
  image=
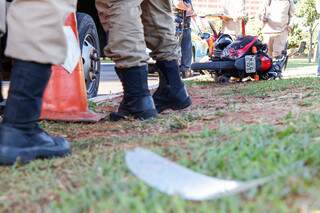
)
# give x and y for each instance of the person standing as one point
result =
(35, 41)
(186, 40)
(233, 14)
(134, 25)
(278, 20)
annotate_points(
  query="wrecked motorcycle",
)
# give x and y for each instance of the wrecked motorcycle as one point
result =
(244, 58)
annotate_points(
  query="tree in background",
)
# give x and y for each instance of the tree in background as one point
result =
(306, 11)
(296, 37)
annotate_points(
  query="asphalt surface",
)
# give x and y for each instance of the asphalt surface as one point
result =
(308, 71)
(110, 84)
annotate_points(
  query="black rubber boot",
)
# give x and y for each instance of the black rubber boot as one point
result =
(137, 101)
(21, 138)
(171, 93)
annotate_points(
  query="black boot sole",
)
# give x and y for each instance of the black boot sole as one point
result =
(11, 155)
(145, 115)
(175, 106)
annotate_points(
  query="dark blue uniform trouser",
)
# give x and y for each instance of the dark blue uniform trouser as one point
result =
(186, 49)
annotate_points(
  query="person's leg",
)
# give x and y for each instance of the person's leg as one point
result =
(186, 52)
(157, 17)
(268, 39)
(43, 37)
(1, 95)
(127, 48)
(20, 136)
(1, 74)
(159, 30)
(279, 44)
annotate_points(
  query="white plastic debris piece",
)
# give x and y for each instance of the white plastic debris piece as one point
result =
(73, 50)
(173, 179)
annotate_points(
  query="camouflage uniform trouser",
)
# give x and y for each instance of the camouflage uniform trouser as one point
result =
(134, 25)
(35, 30)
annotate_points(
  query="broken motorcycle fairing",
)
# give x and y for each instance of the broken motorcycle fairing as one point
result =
(173, 179)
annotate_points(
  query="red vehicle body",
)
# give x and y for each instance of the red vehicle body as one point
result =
(245, 57)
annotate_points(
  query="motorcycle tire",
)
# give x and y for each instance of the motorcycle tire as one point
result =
(222, 79)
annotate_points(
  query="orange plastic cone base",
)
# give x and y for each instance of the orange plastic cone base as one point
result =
(65, 98)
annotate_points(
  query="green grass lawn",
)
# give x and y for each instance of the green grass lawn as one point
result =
(299, 62)
(240, 131)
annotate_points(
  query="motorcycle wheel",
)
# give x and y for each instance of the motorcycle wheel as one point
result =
(222, 79)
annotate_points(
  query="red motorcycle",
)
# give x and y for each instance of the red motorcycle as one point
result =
(242, 58)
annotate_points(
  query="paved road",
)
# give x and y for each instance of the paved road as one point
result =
(300, 72)
(110, 84)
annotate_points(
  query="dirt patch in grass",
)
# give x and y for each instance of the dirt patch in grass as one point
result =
(95, 176)
(213, 105)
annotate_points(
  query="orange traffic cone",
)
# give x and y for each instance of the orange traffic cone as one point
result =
(65, 98)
